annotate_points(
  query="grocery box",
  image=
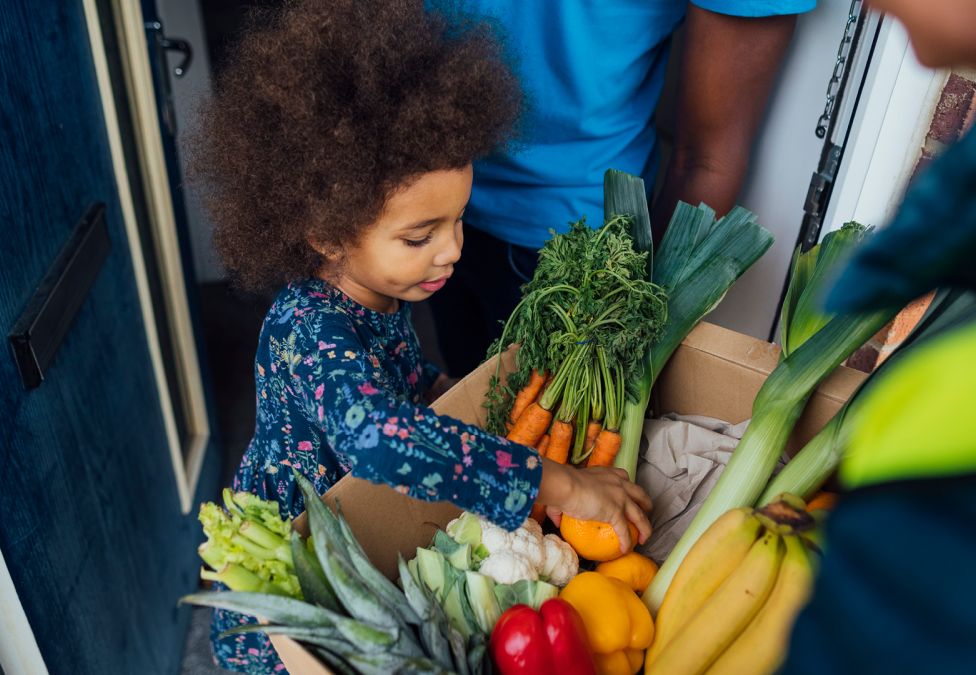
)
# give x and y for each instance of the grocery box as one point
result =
(715, 372)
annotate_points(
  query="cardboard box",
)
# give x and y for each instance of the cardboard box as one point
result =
(715, 372)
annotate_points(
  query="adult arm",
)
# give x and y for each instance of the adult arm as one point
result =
(727, 70)
(863, 616)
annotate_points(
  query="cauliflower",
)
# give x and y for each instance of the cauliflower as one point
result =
(527, 542)
(532, 525)
(494, 538)
(506, 567)
(561, 561)
(522, 554)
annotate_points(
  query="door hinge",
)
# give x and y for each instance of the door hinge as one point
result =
(818, 194)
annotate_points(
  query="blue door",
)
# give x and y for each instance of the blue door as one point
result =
(91, 527)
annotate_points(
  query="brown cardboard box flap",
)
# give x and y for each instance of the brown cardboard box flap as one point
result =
(386, 522)
(718, 372)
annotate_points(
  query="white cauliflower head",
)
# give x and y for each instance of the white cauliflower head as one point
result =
(507, 567)
(494, 538)
(532, 525)
(527, 542)
(561, 561)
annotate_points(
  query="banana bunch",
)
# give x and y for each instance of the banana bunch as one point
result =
(732, 603)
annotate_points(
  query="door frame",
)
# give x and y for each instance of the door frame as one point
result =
(887, 132)
(19, 653)
(187, 462)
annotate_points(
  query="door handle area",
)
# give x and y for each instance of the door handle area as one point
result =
(45, 321)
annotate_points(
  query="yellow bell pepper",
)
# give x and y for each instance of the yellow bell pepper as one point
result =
(618, 624)
(633, 569)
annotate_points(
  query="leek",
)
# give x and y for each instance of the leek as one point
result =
(801, 315)
(698, 261)
(782, 397)
(819, 458)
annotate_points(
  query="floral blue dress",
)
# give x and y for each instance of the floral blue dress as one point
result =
(340, 388)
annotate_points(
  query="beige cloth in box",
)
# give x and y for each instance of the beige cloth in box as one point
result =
(681, 458)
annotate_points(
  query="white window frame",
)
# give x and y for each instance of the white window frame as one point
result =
(888, 131)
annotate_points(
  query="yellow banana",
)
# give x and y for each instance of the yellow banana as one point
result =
(709, 562)
(761, 647)
(725, 614)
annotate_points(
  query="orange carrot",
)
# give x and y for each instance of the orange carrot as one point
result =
(543, 445)
(592, 429)
(606, 448)
(560, 438)
(530, 426)
(528, 394)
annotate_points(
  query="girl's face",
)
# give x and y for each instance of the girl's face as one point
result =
(943, 32)
(410, 251)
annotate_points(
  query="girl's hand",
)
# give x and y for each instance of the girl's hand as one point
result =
(603, 494)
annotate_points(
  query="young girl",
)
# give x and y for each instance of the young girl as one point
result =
(339, 147)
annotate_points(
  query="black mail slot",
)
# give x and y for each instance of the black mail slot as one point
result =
(45, 321)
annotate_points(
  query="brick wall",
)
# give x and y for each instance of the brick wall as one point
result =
(954, 115)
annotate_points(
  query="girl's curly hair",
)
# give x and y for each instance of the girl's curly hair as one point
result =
(324, 109)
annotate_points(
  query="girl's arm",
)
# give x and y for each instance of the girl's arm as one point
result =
(384, 439)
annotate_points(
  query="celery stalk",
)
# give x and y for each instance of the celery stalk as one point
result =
(237, 578)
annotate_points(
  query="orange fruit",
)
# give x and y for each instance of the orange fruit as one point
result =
(594, 540)
(633, 569)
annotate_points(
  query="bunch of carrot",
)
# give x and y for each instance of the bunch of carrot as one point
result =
(585, 321)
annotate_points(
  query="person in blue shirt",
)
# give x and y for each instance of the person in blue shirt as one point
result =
(593, 74)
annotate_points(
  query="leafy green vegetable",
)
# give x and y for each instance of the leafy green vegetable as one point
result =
(466, 529)
(698, 261)
(353, 618)
(587, 315)
(807, 471)
(812, 272)
(248, 545)
(315, 587)
(525, 592)
(482, 600)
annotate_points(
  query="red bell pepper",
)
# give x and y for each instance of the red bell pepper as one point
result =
(551, 641)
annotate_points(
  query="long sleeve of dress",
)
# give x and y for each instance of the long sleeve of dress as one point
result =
(386, 439)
